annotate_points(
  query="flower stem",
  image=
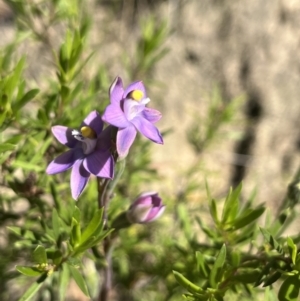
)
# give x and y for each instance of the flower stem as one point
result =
(105, 290)
(103, 196)
(103, 199)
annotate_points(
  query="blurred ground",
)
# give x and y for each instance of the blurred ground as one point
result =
(249, 48)
(245, 47)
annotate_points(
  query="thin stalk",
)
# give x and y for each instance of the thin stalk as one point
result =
(103, 199)
(105, 290)
(104, 195)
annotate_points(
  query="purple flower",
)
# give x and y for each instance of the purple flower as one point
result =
(146, 208)
(89, 152)
(127, 111)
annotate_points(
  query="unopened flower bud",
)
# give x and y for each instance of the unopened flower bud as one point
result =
(146, 208)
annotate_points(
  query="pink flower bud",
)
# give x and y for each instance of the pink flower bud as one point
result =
(146, 208)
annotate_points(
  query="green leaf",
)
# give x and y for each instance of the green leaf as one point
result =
(4, 157)
(55, 224)
(235, 258)
(15, 139)
(247, 217)
(292, 249)
(271, 279)
(27, 166)
(93, 226)
(76, 214)
(4, 147)
(208, 231)
(78, 70)
(36, 159)
(12, 82)
(289, 289)
(217, 269)
(213, 211)
(92, 241)
(64, 277)
(187, 284)
(79, 280)
(27, 234)
(271, 240)
(33, 289)
(231, 205)
(183, 216)
(28, 271)
(55, 256)
(65, 91)
(246, 275)
(102, 235)
(202, 267)
(39, 255)
(265, 271)
(75, 233)
(26, 98)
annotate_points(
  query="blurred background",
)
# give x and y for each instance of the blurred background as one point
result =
(224, 73)
(234, 48)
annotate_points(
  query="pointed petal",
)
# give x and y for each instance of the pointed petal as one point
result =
(135, 86)
(94, 121)
(116, 91)
(139, 213)
(146, 128)
(125, 138)
(155, 213)
(79, 179)
(62, 162)
(151, 115)
(132, 108)
(115, 116)
(64, 135)
(100, 164)
(148, 198)
(143, 200)
(106, 137)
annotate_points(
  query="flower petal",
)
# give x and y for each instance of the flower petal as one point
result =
(151, 115)
(125, 138)
(146, 128)
(62, 162)
(135, 86)
(115, 116)
(132, 108)
(139, 213)
(116, 91)
(79, 179)
(64, 135)
(145, 198)
(155, 213)
(105, 139)
(100, 164)
(94, 121)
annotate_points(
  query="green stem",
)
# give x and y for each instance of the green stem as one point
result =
(104, 196)
(103, 200)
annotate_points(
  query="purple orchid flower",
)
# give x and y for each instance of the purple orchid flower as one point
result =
(89, 152)
(128, 112)
(146, 208)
